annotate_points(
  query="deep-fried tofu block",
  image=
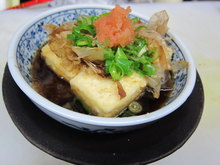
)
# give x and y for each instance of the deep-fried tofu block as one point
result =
(100, 95)
(55, 63)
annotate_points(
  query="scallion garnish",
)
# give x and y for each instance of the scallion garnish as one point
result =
(135, 19)
(135, 107)
(134, 57)
(140, 27)
(119, 61)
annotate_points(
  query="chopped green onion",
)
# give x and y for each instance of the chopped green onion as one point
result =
(125, 65)
(87, 29)
(83, 34)
(82, 43)
(134, 57)
(120, 54)
(71, 36)
(99, 16)
(108, 63)
(116, 71)
(117, 65)
(150, 69)
(140, 27)
(135, 19)
(109, 54)
(135, 107)
(142, 51)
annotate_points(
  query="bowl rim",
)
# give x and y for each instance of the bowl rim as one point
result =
(95, 120)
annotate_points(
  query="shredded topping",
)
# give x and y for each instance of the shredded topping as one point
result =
(116, 29)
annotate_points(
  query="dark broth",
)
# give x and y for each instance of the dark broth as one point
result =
(57, 90)
(48, 84)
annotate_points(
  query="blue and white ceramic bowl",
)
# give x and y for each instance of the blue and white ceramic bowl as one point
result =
(31, 36)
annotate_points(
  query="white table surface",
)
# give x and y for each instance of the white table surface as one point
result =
(197, 24)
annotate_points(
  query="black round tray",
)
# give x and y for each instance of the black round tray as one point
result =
(142, 146)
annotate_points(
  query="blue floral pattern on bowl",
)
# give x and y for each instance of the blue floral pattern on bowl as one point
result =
(35, 36)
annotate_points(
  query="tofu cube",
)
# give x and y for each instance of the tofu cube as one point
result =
(100, 95)
(55, 64)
